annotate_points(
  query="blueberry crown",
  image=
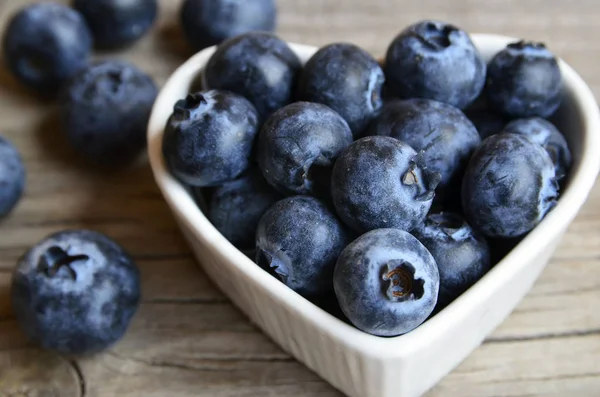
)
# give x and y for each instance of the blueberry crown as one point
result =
(425, 180)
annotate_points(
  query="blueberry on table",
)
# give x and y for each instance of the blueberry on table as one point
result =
(386, 282)
(546, 134)
(381, 182)
(117, 23)
(486, 122)
(236, 207)
(444, 134)
(298, 241)
(524, 80)
(210, 22)
(348, 80)
(258, 66)
(75, 292)
(209, 137)
(298, 145)
(105, 111)
(462, 254)
(435, 60)
(509, 186)
(12, 177)
(45, 44)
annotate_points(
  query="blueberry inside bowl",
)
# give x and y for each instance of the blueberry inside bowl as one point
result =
(332, 347)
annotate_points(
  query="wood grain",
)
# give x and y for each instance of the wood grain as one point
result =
(187, 340)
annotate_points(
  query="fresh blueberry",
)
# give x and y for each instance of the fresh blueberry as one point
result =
(435, 60)
(546, 134)
(524, 80)
(298, 240)
(12, 177)
(381, 182)
(348, 80)
(462, 255)
(236, 207)
(444, 134)
(258, 66)
(487, 123)
(209, 138)
(386, 282)
(75, 292)
(210, 22)
(45, 44)
(105, 112)
(509, 186)
(117, 23)
(298, 145)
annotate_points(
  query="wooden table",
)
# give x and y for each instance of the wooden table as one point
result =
(187, 339)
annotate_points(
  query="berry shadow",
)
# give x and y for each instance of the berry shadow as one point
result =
(171, 41)
(56, 149)
(10, 87)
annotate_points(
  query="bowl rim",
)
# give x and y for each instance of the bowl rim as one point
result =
(580, 184)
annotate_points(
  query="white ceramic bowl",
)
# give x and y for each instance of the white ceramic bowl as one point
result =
(356, 363)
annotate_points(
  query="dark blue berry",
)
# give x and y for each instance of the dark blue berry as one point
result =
(546, 134)
(117, 23)
(236, 207)
(381, 182)
(348, 80)
(298, 146)
(435, 60)
(386, 282)
(462, 255)
(12, 177)
(524, 80)
(298, 241)
(105, 112)
(444, 134)
(209, 138)
(75, 292)
(45, 44)
(509, 186)
(209, 22)
(258, 66)
(487, 123)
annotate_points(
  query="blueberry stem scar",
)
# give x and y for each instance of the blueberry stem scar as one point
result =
(268, 262)
(55, 257)
(401, 283)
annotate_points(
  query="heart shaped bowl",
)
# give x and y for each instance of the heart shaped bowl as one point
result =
(358, 364)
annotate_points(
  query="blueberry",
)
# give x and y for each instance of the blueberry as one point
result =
(298, 146)
(435, 60)
(487, 122)
(45, 44)
(209, 137)
(524, 80)
(257, 65)
(462, 254)
(117, 23)
(236, 207)
(444, 134)
(386, 282)
(105, 112)
(381, 182)
(12, 177)
(546, 134)
(75, 292)
(206, 23)
(348, 80)
(509, 186)
(298, 240)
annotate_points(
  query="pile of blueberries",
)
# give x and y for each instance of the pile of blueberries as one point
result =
(76, 291)
(383, 187)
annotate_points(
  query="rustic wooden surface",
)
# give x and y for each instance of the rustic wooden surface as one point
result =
(187, 339)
